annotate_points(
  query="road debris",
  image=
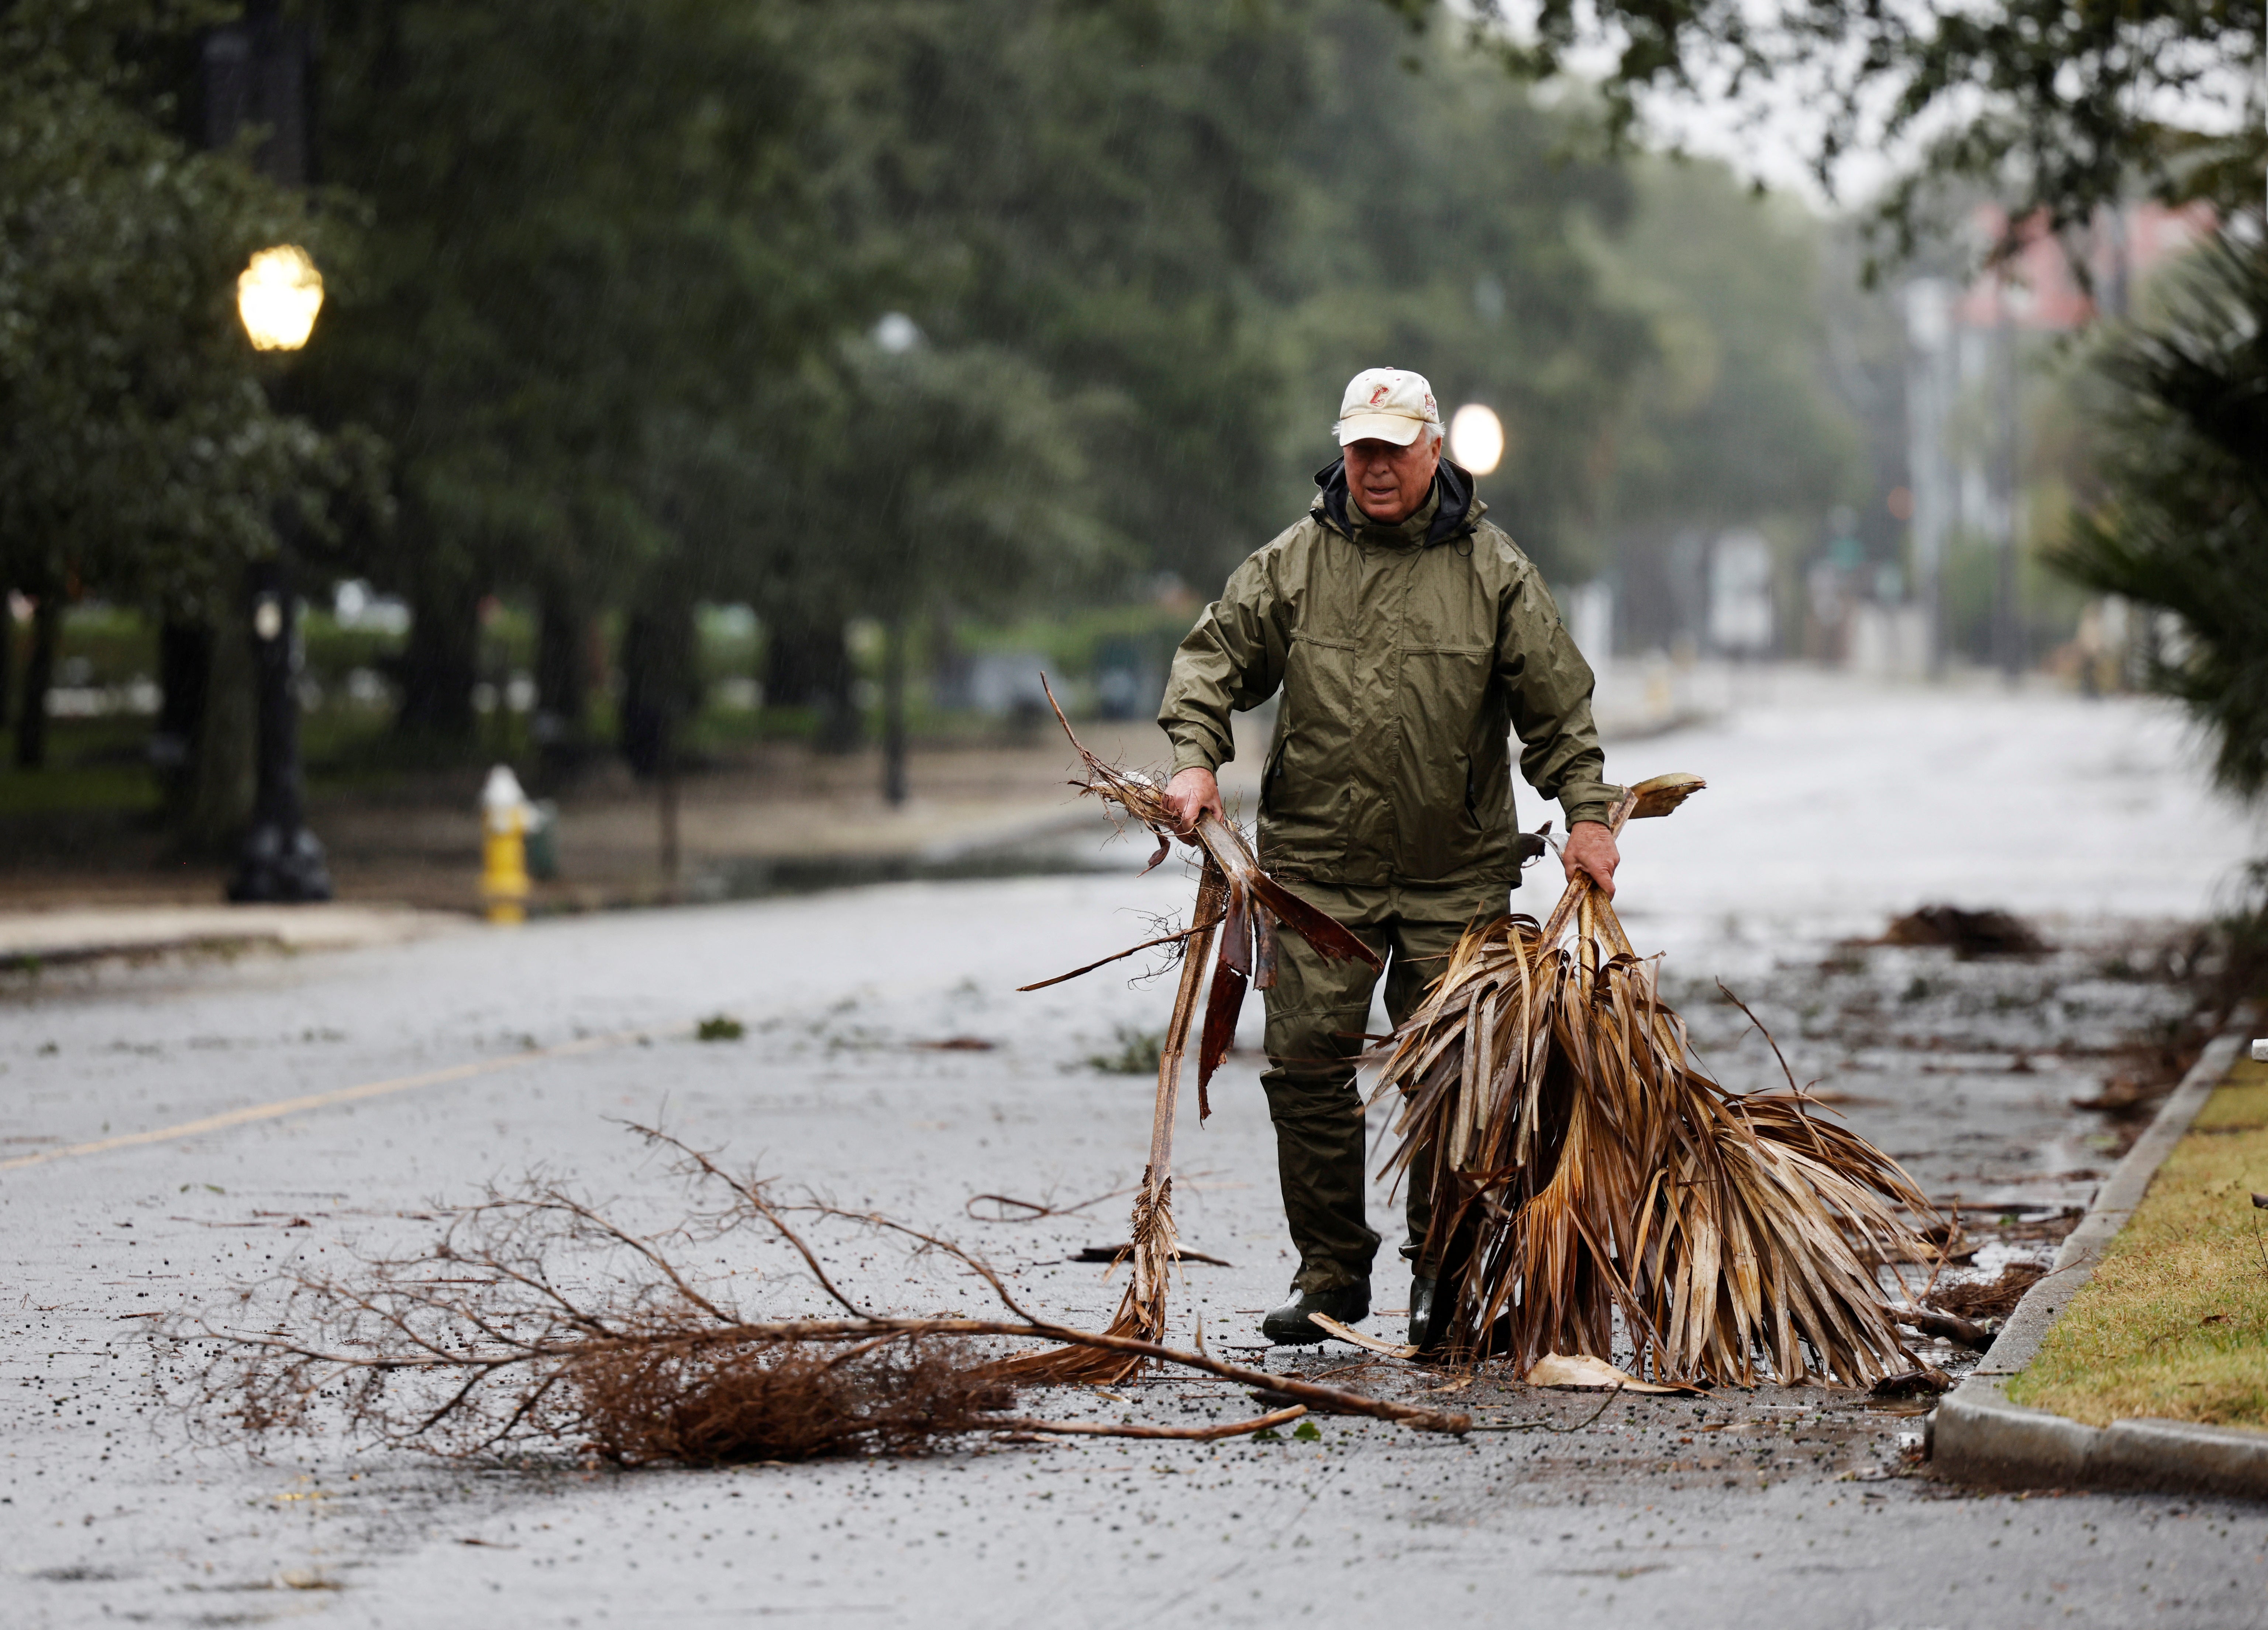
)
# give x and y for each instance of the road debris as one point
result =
(1994, 1299)
(1583, 1168)
(1580, 1371)
(1967, 934)
(1922, 1382)
(554, 1324)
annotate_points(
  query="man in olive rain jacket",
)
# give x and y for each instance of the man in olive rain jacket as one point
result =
(1410, 639)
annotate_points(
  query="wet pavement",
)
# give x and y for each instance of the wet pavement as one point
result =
(1777, 1506)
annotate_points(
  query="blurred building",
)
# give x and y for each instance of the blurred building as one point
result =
(1967, 435)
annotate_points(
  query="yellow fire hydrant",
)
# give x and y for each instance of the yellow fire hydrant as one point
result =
(505, 818)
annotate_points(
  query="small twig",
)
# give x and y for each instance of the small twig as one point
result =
(1944, 1256)
(1768, 1039)
(1545, 1426)
(761, 1208)
(1033, 1209)
(1116, 1254)
(1120, 956)
(1349, 1369)
(1197, 1434)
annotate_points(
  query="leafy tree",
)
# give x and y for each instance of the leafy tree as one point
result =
(1732, 422)
(1442, 231)
(140, 457)
(2060, 108)
(957, 479)
(1105, 191)
(1736, 421)
(589, 222)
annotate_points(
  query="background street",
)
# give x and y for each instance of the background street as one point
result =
(1832, 806)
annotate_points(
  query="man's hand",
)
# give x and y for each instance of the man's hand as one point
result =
(1590, 848)
(1194, 794)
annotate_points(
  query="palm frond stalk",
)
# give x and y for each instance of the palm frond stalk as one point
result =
(1238, 906)
(1583, 1166)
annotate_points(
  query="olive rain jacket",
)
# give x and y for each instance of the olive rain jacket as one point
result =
(1408, 655)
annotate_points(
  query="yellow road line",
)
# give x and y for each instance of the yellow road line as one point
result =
(324, 1100)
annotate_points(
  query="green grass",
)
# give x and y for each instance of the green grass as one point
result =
(2174, 1324)
(94, 765)
(88, 790)
(1138, 1052)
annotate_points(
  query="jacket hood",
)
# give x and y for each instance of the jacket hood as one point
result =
(1460, 508)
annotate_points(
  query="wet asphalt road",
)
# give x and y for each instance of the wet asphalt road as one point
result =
(1779, 1507)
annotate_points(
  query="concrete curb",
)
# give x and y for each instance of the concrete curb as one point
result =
(1977, 1436)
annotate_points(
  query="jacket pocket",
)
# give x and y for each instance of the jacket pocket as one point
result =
(1309, 787)
(1442, 800)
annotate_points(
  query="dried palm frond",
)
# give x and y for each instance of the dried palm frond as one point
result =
(1583, 1166)
(1240, 904)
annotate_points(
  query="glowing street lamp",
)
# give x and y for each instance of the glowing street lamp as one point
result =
(277, 296)
(255, 74)
(1476, 438)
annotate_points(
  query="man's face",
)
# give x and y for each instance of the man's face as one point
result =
(1390, 482)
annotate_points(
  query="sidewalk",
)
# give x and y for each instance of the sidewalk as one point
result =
(31, 940)
(415, 838)
(1978, 1435)
(780, 820)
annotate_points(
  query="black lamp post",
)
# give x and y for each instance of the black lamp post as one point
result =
(282, 861)
(256, 72)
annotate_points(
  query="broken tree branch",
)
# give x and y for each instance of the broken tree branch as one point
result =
(535, 1317)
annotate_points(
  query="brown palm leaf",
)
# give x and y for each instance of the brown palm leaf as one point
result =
(1241, 904)
(1584, 1166)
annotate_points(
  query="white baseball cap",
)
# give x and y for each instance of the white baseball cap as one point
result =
(1385, 404)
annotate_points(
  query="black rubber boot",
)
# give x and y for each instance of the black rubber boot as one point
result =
(1429, 1318)
(1289, 1325)
(1432, 1302)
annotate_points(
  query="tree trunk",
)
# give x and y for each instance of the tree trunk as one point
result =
(563, 681)
(661, 686)
(185, 651)
(671, 857)
(661, 689)
(808, 664)
(217, 800)
(38, 676)
(7, 654)
(894, 712)
(440, 666)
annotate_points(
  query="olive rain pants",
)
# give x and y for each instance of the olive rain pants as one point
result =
(1317, 1012)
